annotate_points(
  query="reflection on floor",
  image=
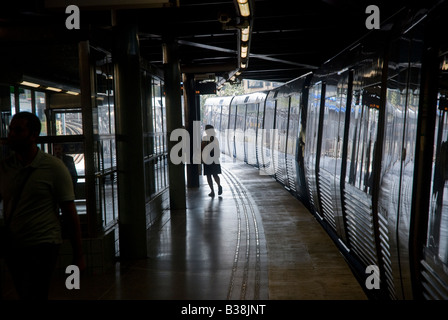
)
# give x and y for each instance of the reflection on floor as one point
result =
(254, 242)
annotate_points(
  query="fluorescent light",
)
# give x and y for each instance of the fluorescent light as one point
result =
(243, 51)
(30, 84)
(244, 8)
(245, 34)
(54, 89)
(243, 65)
(72, 93)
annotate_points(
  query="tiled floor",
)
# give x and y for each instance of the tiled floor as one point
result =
(254, 242)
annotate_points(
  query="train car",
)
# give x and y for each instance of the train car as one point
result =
(363, 142)
(245, 109)
(287, 138)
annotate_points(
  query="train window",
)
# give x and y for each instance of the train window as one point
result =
(294, 124)
(341, 105)
(282, 122)
(225, 118)
(216, 121)
(330, 126)
(251, 118)
(313, 121)
(362, 135)
(208, 115)
(232, 116)
(40, 103)
(260, 117)
(269, 117)
(240, 116)
(250, 133)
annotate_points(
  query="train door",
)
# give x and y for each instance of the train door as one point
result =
(240, 127)
(361, 143)
(281, 126)
(330, 164)
(312, 143)
(294, 145)
(259, 137)
(231, 131)
(245, 137)
(217, 113)
(225, 143)
(397, 169)
(268, 136)
(434, 271)
(250, 134)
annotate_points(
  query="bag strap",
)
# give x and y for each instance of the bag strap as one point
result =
(17, 195)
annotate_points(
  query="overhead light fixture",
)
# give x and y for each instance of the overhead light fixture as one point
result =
(243, 65)
(245, 34)
(30, 84)
(53, 89)
(244, 49)
(244, 8)
(73, 93)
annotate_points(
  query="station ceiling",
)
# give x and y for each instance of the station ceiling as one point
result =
(287, 38)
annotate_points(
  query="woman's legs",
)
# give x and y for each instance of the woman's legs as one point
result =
(218, 182)
(210, 184)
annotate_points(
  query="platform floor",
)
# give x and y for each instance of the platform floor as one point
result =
(254, 242)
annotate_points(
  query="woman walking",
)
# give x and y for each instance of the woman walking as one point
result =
(210, 159)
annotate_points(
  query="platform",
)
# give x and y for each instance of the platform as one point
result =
(255, 242)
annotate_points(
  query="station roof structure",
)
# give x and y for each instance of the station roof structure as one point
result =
(286, 38)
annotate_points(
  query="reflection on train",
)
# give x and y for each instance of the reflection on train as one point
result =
(363, 143)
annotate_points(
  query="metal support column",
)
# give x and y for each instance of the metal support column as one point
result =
(192, 103)
(129, 137)
(173, 121)
(87, 80)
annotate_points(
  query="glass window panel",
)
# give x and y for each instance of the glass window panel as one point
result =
(39, 97)
(25, 101)
(282, 122)
(294, 124)
(13, 101)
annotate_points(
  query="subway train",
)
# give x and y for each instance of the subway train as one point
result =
(363, 143)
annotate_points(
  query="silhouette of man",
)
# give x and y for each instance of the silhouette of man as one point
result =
(33, 186)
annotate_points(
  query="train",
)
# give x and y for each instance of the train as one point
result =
(362, 142)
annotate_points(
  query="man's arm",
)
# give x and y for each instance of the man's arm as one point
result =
(71, 218)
